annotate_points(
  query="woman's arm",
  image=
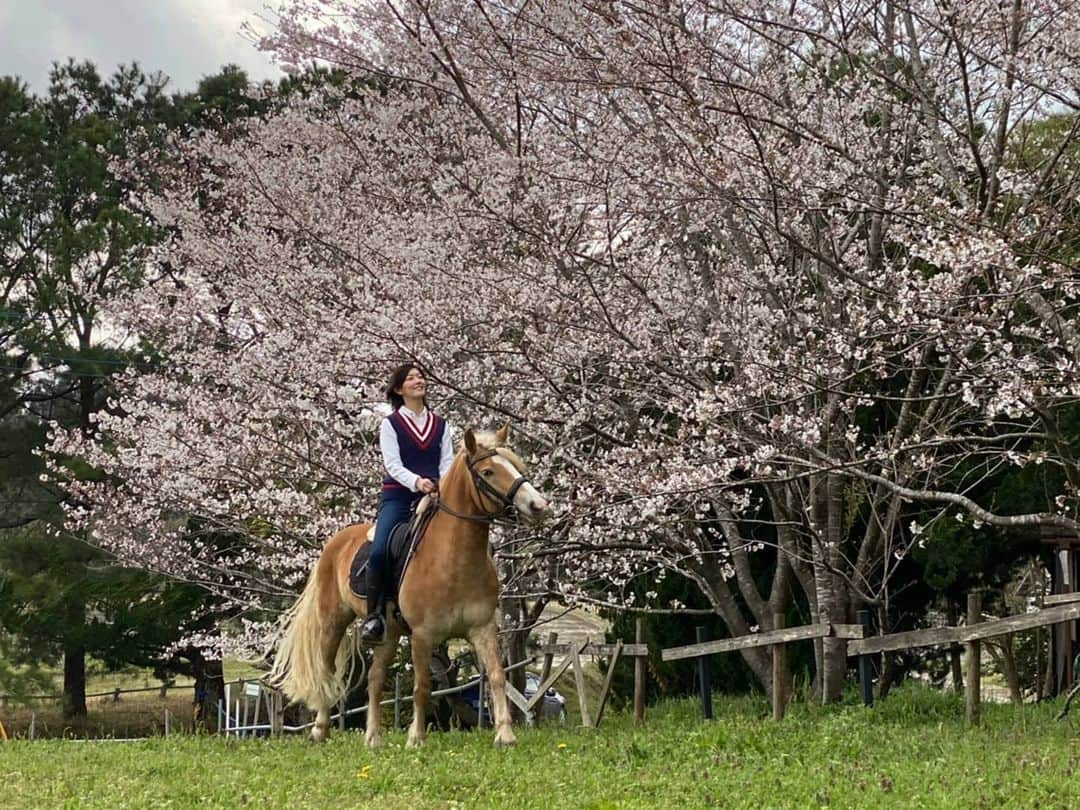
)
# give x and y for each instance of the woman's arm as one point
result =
(446, 452)
(392, 457)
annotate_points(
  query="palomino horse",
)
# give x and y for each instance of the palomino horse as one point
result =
(450, 590)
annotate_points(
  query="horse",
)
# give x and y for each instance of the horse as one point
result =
(450, 590)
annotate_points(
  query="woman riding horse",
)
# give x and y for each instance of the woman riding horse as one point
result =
(417, 449)
(450, 589)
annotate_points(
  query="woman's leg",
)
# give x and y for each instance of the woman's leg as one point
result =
(391, 512)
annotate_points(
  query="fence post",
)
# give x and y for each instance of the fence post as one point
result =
(703, 676)
(33, 725)
(973, 651)
(397, 701)
(779, 673)
(255, 712)
(579, 683)
(483, 710)
(277, 714)
(639, 673)
(866, 674)
(553, 637)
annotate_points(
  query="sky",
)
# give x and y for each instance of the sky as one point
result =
(185, 39)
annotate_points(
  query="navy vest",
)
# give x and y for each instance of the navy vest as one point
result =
(420, 450)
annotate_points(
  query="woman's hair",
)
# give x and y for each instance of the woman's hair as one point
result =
(396, 381)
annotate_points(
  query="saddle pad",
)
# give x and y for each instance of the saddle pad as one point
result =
(398, 555)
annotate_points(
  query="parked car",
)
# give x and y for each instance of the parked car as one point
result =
(552, 707)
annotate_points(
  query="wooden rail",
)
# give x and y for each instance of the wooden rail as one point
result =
(766, 639)
(1057, 608)
(959, 635)
(631, 650)
(1061, 598)
(572, 655)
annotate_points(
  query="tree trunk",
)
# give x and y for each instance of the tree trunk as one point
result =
(1050, 685)
(888, 675)
(832, 602)
(1002, 651)
(209, 690)
(516, 625)
(516, 650)
(956, 664)
(727, 608)
(75, 661)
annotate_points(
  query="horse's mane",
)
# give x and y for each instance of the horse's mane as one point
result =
(488, 440)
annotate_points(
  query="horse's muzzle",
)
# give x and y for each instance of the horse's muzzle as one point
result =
(538, 509)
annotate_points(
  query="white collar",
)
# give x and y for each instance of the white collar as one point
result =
(415, 417)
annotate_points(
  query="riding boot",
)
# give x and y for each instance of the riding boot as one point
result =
(373, 630)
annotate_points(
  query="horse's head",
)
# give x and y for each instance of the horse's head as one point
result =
(500, 476)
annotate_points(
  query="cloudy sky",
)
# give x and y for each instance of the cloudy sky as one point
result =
(185, 39)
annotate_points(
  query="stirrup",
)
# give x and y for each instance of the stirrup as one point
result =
(373, 630)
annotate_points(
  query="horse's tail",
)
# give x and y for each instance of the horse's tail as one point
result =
(300, 667)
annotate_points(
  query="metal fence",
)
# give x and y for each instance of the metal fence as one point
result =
(253, 709)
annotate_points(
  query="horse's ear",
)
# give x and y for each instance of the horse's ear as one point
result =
(470, 442)
(501, 434)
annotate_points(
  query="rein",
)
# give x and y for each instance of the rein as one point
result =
(505, 498)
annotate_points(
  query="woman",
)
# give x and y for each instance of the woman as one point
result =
(417, 449)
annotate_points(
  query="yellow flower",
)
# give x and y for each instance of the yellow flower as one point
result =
(561, 746)
(364, 773)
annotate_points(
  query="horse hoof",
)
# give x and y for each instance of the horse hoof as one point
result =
(318, 735)
(414, 742)
(373, 741)
(505, 740)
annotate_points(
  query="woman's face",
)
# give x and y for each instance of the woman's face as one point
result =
(414, 386)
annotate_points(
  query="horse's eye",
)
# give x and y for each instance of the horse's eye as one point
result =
(488, 473)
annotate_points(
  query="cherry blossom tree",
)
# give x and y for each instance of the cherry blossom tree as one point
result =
(756, 283)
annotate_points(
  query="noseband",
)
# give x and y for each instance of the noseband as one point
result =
(506, 499)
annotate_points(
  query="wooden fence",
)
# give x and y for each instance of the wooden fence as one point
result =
(572, 655)
(1057, 608)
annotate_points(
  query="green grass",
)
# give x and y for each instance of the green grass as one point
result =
(912, 750)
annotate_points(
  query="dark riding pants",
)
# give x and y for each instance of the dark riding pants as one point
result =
(392, 511)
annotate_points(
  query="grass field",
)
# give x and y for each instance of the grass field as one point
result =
(912, 750)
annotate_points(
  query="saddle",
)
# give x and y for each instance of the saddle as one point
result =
(404, 541)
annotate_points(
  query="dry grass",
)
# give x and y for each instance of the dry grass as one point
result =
(133, 715)
(129, 714)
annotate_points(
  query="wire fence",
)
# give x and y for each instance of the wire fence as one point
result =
(119, 713)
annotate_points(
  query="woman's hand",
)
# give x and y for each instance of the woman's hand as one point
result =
(426, 485)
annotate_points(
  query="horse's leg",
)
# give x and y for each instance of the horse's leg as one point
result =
(485, 640)
(380, 662)
(421, 659)
(331, 653)
(321, 730)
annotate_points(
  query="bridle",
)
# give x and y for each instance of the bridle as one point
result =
(506, 499)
